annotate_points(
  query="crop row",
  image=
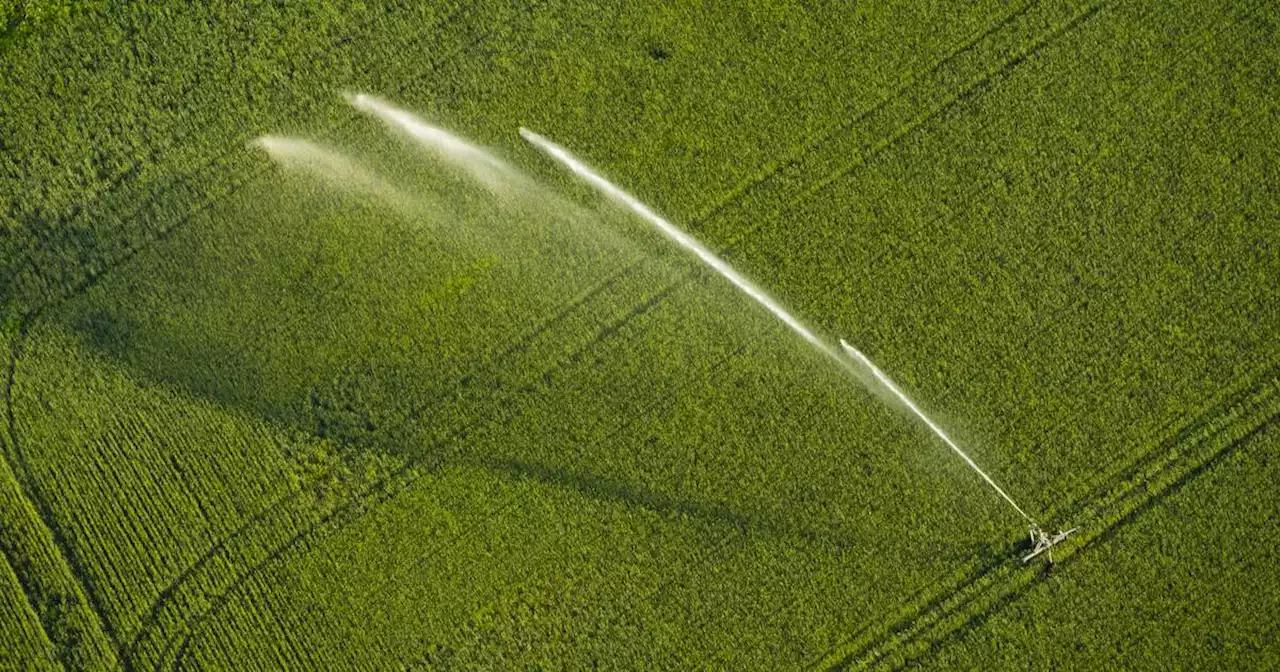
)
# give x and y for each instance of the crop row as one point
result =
(26, 644)
(157, 476)
(57, 615)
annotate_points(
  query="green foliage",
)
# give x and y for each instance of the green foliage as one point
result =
(262, 421)
(21, 19)
(1143, 600)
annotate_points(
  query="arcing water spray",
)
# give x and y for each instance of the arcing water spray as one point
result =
(1040, 540)
(683, 239)
(889, 384)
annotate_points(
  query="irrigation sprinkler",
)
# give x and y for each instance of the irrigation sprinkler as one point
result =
(1044, 543)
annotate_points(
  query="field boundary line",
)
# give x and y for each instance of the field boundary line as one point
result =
(1197, 445)
(1149, 485)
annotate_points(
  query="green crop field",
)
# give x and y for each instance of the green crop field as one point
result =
(284, 388)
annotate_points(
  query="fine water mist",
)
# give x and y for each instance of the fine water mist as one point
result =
(335, 169)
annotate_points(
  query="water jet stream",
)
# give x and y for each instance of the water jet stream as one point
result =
(491, 171)
(889, 384)
(720, 266)
(685, 240)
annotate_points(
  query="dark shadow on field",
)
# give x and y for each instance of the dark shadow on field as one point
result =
(264, 318)
(353, 324)
(222, 375)
(631, 495)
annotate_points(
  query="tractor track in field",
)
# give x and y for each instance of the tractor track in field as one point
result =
(1192, 450)
(44, 509)
(796, 156)
(1001, 601)
(26, 582)
(976, 86)
(873, 150)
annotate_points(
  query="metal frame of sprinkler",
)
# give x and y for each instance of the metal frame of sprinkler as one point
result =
(1041, 542)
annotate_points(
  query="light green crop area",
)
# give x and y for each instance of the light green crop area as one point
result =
(258, 415)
